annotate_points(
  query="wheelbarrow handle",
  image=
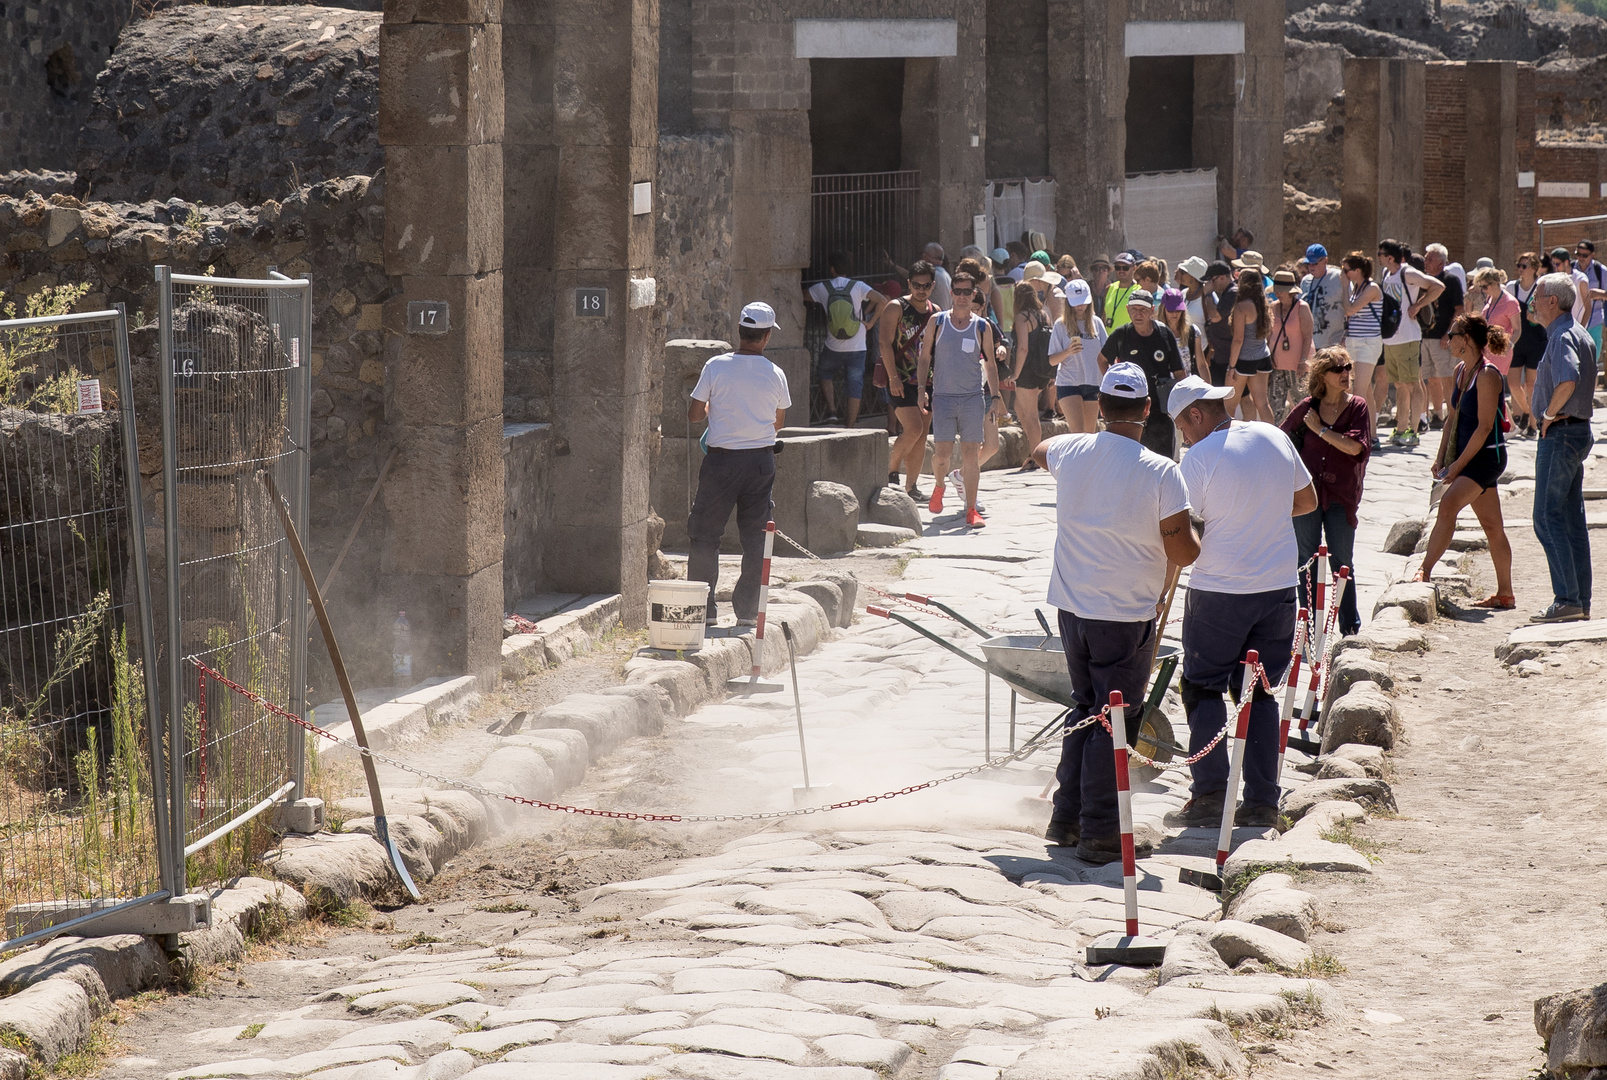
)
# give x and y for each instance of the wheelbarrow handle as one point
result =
(1010, 678)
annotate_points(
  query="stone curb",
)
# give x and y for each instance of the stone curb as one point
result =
(57, 991)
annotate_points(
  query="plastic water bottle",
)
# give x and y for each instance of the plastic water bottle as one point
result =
(402, 651)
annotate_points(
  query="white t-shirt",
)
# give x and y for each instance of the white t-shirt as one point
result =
(1242, 481)
(1081, 369)
(1456, 270)
(1110, 562)
(1196, 310)
(1408, 331)
(1582, 304)
(1595, 278)
(743, 392)
(818, 293)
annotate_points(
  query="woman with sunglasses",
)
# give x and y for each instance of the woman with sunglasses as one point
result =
(900, 348)
(1473, 455)
(1332, 430)
(1530, 346)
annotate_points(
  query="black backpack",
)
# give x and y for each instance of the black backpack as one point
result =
(1390, 320)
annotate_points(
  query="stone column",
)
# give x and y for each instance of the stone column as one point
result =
(1381, 187)
(1491, 179)
(1087, 131)
(945, 108)
(582, 108)
(441, 126)
(1257, 195)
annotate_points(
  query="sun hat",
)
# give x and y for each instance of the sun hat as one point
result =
(1194, 266)
(1125, 380)
(1285, 277)
(1191, 389)
(1250, 260)
(1000, 255)
(1033, 270)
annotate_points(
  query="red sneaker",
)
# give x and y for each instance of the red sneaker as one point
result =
(974, 519)
(936, 505)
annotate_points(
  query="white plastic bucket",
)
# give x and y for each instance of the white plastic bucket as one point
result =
(675, 614)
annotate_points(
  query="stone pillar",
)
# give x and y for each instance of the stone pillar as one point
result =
(1087, 129)
(582, 108)
(1491, 179)
(1526, 236)
(1381, 187)
(440, 121)
(945, 106)
(1256, 201)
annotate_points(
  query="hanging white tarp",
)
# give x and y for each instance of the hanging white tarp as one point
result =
(1172, 215)
(1016, 207)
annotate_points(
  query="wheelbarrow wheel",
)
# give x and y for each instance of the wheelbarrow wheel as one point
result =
(1154, 740)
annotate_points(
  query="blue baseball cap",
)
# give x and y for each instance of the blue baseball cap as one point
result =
(1315, 252)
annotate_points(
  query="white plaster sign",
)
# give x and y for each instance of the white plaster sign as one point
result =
(1526, 180)
(858, 39)
(1224, 38)
(1552, 189)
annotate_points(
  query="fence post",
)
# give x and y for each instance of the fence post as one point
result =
(170, 515)
(142, 583)
(300, 439)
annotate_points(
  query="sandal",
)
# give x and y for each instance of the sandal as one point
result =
(1419, 576)
(1498, 602)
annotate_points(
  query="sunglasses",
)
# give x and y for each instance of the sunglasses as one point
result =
(1526, 266)
(1340, 369)
(920, 285)
(962, 292)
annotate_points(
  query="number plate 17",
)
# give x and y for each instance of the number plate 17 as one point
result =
(428, 317)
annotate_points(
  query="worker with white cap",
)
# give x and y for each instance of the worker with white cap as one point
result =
(1246, 484)
(745, 399)
(1123, 516)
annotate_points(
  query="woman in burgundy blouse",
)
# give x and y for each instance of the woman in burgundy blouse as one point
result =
(1332, 429)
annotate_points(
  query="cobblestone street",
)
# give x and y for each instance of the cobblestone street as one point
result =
(930, 935)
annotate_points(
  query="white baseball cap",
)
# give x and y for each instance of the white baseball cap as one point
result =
(1125, 380)
(1191, 389)
(1077, 293)
(759, 316)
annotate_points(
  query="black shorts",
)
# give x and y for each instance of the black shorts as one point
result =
(1253, 367)
(1487, 466)
(903, 396)
(1034, 380)
(1528, 357)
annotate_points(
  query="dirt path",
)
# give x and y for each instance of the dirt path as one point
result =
(1491, 888)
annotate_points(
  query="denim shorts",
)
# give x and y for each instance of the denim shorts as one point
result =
(1087, 392)
(854, 362)
(958, 416)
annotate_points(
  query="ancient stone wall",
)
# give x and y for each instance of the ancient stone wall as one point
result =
(50, 52)
(1018, 89)
(238, 104)
(329, 231)
(694, 235)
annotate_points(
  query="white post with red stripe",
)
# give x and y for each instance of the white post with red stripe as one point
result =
(1241, 732)
(764, 600)
(1291, 687)
(1124, 808)
(1319, 649)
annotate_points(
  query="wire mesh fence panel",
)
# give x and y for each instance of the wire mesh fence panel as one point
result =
(81, 805)
(235, 403)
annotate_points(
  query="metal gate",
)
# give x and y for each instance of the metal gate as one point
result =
(873, 217)
(82, 803)
(236, 382)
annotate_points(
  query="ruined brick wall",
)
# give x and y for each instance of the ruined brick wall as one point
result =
(1445, 89)
(1571, 181)
(329, 231)
(50, 52)
(244, 104)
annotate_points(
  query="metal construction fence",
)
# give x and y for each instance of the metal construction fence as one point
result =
(121, 779)
(236, 390)
(81, 801)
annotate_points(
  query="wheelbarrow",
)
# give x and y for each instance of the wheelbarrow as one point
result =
(1033, 666)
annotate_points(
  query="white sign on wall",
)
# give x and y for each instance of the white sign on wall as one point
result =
(1552, 189)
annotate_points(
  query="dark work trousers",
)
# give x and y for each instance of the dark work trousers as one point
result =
(1218, 629)
(1101, 656)
(739, 479)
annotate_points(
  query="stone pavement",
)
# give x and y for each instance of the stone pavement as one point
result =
(934, 934)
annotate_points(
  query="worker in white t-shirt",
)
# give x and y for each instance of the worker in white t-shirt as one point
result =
(1247, 485)
(851, 308)
(745, 399)
(1123, 517)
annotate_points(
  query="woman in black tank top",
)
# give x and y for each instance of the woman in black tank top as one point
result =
(1032, 371)
(1529, 347)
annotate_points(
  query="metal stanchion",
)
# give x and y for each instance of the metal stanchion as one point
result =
(1230, 797)
(1128, 948)
(752, 685)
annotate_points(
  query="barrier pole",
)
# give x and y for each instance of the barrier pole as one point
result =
(1124, 810)
(764, 600)
(1290, 687)
(1308, 713)
(1114, 948)
(1241, 732)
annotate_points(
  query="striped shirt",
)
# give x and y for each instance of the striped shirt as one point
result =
(1365, 323)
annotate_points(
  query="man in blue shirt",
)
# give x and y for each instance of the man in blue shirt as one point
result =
(1564, 389)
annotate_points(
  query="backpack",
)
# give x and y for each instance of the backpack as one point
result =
(842, 315)
(1390, 319)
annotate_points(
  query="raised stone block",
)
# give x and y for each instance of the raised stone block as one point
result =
(1417, 599)
(892, 505)
(443, 210)
(442, 11)
(871, 535)
(1363, 715)
(833, 518)
(1404, 536)
(451, 378)
(1554, 635)
(1574, 1028)
(1374, 794)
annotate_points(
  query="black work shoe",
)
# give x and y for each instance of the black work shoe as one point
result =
(1062, 834)
(1257, 817)
(1109, 849)
(1199, 813)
